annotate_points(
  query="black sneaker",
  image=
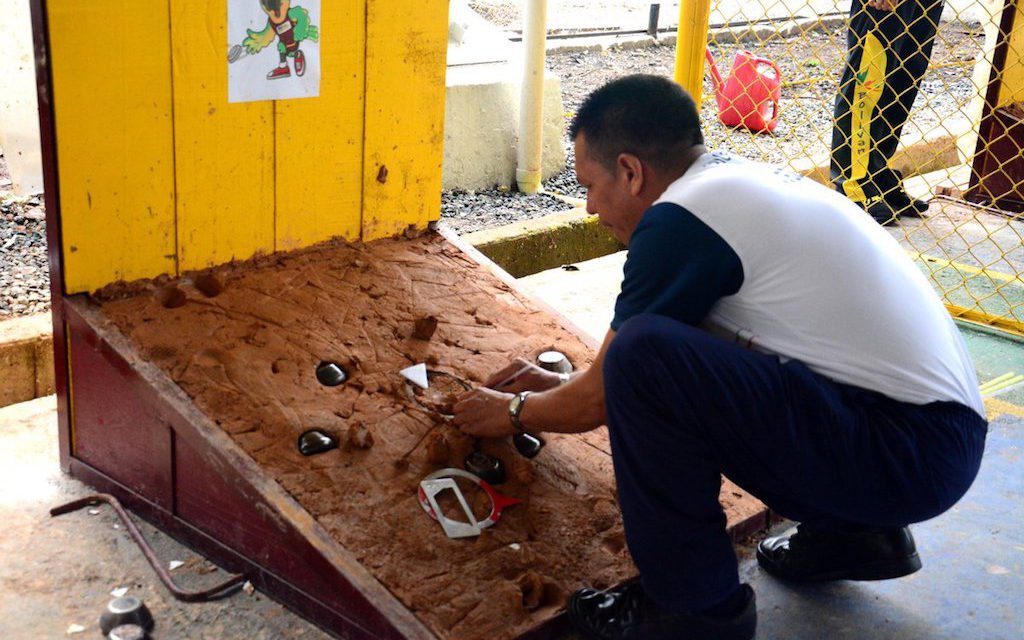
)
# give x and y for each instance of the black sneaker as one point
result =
(627, 613)
(819, 556)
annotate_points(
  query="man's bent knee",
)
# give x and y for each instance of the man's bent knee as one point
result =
(643, 340)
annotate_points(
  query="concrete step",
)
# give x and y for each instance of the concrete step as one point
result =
(26, 359)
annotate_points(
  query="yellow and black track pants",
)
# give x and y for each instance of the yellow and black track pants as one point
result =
(887, 54)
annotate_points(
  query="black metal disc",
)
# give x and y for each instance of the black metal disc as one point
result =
(315, 441)
(486, 467)
(330, 374)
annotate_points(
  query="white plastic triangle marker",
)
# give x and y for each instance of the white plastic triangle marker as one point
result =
(416, 374)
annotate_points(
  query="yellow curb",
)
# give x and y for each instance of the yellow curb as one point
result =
(995, 407)
(532, 246)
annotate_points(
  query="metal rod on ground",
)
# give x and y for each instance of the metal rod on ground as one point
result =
(184, 596)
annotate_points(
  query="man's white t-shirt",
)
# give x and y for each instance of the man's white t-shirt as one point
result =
(818, 281)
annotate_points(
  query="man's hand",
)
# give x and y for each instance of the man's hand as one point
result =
(520, 375)
(883, 5)
(483, 413)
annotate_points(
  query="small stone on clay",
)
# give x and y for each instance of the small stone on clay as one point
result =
(359, 437)
(425, 328)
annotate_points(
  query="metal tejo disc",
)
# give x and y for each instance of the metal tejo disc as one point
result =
(315, 441)
(330, 374)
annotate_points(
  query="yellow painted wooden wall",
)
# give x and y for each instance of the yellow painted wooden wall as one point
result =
(158, 173)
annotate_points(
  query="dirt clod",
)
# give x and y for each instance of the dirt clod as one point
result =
(521, 470)
(424, 328)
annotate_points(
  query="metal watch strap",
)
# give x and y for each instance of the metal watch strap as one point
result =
(515, 407)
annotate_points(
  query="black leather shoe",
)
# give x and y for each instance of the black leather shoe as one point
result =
(904, 205)
(627, 613)
(819, 556)
(882, 212)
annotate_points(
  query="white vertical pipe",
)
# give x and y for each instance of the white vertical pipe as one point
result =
(531, 102)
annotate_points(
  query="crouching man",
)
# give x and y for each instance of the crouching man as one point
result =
(768, 330)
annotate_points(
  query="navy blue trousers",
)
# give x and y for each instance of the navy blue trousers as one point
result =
(685, 407)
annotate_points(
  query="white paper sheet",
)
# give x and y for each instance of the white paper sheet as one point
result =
(258, 31)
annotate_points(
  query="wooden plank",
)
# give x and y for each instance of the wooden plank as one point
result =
(113, 430)
(319, 147)
(112, 99)
(224, 153)
(48, 148)
(406, 45)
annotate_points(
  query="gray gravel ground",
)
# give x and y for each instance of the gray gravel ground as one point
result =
(24, 274)
(809, 64)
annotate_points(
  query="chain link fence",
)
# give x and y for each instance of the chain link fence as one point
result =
(921, 103)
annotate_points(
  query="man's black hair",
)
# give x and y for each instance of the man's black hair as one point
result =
(648, 116)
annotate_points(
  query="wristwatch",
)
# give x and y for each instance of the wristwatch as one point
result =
(515, 407)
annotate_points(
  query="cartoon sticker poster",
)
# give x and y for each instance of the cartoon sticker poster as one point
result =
(273, 49)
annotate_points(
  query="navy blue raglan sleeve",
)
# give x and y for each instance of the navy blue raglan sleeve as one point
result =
(677, 266)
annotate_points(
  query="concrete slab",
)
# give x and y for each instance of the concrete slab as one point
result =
(531, 246)
(59, 572)
(971, 585)
(585, 295)
(481, 126)
(26, 359)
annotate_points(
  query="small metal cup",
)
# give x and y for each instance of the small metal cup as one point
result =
(554, 361)
(127, 610)
(127, 632)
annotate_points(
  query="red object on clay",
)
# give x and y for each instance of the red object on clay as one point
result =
(750, 96)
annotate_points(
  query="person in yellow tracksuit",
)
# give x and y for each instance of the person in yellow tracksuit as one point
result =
(889, 46)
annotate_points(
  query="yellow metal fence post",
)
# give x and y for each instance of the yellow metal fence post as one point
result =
(691, 41)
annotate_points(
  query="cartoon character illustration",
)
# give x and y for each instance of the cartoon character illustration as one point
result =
(290, 25)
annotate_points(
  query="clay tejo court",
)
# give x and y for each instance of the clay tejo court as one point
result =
(239, 285)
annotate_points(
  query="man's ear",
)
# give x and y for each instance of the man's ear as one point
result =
(631, 170)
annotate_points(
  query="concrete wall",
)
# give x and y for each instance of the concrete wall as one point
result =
(481, 126)
(19, 116)
(481, 120)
